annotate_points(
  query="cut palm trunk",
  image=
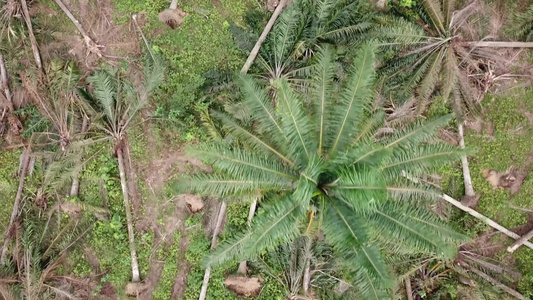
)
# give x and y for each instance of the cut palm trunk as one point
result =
(469, 188)
(33, 41)
(499, 44)
(134, 264)
(92, 47)
(25, 162)
(243, 265)
(268, 27)
(220, 218)
(520, 242)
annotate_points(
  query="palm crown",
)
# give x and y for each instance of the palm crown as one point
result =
(432, 53)
(324, 167)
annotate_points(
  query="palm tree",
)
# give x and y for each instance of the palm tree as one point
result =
(328, 167)
(119, 102)
(302, 27)
(434, 53)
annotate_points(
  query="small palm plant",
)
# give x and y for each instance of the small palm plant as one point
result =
(324, 166)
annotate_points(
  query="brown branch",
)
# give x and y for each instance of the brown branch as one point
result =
(520, 241)
(498, 44)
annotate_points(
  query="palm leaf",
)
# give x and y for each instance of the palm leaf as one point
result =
(323, 84)
(355, 98)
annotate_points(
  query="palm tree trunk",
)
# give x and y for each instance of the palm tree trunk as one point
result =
(520, 242)
(74, 189)
(220, 218)
(33, 41)
(469, 188)
(16, 206)
(134, 264)
(243, 266)
(5, 85)
(268, 27)
(499, 44)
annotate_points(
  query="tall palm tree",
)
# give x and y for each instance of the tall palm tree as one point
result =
(435, 53)
(324, 165)
(119, 102)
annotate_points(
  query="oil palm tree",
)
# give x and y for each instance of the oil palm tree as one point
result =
(324, 165)
(435, 53)
(119, 102)
(302, 27)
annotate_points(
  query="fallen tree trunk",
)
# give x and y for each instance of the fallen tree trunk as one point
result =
(469, 188)
(135, 277)
(25, 162)
(505, 288)
(220, 219)
(91, 45)
(5, 85)
(33, 41)
(475, 214)
(268, 27)
(499, 44)
(520, 242)
(486, 220)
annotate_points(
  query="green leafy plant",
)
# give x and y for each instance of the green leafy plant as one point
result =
(324, 166)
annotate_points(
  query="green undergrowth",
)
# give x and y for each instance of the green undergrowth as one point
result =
(170, 257)
(509, 145)
(9, 161)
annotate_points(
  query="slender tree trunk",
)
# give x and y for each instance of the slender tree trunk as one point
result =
(469, 188)
(134, 264)
(33, 41)
(307, 275)
(499, 44)
(520, 242)
(220, 218)
(263, 36)
(25, 159)
(243, 266)
(495, 282)
(5, 84)
(74, 189)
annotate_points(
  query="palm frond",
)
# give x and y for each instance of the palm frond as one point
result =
(323, 85)
(434, 10)
(295, 122)
(268, 230)
(257, 141)
(105, 91)
(355, 99)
